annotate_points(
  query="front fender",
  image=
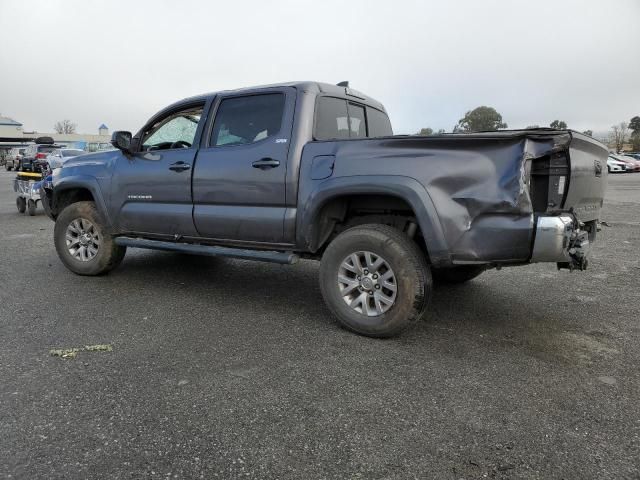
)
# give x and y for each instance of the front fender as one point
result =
(405, 188)
(64, 184)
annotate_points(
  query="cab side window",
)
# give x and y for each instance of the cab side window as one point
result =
(177, 130)
(249, 119)
(340, 119)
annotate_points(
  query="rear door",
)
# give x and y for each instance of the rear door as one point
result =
(151, 190)
(239, 177)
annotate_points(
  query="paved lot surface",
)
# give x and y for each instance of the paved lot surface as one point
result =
(232, 369)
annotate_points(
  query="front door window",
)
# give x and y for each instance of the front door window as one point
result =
(175, 131)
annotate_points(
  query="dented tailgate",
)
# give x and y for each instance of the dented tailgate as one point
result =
(587, 182)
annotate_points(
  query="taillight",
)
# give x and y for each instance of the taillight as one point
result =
(41, 155)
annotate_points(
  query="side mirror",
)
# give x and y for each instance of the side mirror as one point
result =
(121, 140)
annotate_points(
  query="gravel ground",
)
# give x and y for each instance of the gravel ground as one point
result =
(233, 369)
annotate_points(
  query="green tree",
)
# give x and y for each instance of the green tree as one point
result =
(480, 119)
(588, 133)
(425, 131)
(634, 124)
(558, 125)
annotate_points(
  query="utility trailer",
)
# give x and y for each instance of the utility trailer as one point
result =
(27, 186)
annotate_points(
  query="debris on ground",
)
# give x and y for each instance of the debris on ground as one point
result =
(73, 352)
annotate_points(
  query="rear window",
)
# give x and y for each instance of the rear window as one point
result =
(339, 119)
(378, 122)
(46, 149)
(332, 119)
(357, 121)
(72, 153)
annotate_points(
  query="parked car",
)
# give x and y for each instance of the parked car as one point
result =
(635, 155)
(57, 157)
(634, 165)
(312, 170)
(14, 157)
(616, 166)
(35, 155)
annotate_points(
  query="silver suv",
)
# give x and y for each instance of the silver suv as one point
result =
(14, 157)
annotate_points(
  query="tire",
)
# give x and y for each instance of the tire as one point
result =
(31, 207)
(410, 273)
(101, 254)
(21, 203)
(457, 275)
(7, 167)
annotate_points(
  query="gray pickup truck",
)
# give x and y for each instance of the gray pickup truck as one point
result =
(312, 170)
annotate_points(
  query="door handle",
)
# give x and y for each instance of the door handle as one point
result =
(179, 166)
(265, 163)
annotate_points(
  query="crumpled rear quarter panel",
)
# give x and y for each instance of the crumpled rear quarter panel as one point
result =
(478, 184)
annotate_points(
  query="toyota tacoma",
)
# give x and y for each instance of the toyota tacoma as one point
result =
(312, 170)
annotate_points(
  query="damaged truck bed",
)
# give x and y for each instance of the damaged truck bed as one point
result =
(485, 196)
(313, 170)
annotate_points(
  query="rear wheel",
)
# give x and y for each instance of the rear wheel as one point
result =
(21, 203)
(456, 275)
(31, 207)
(82, 243)
(375, 280)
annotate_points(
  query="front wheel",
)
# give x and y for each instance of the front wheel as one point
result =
(82, 243)
(21, 203)
(32, 207)
(375, 280)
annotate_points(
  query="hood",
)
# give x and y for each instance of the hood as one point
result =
(97, 158)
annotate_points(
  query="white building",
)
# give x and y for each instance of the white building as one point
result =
(12, 134)
(10, 128)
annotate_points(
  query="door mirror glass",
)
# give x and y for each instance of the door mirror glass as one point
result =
(121, 140)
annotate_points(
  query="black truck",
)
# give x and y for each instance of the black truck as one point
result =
(312, 170)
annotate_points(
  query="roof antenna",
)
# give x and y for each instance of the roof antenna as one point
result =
(343, 84)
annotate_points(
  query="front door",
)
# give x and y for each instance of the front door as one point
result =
(239, 177)
(152, 188)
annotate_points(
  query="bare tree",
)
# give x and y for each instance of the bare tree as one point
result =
(65, 126)
(618, 135)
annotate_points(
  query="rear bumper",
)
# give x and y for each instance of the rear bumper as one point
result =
(561, 239)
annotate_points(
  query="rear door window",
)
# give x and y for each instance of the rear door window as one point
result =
(249, 119)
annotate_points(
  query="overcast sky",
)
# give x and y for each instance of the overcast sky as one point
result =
(118, 62)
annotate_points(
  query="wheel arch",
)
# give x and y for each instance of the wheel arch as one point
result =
(76, 189)
(330, 200)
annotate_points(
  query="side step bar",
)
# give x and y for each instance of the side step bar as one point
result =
(195, 249)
